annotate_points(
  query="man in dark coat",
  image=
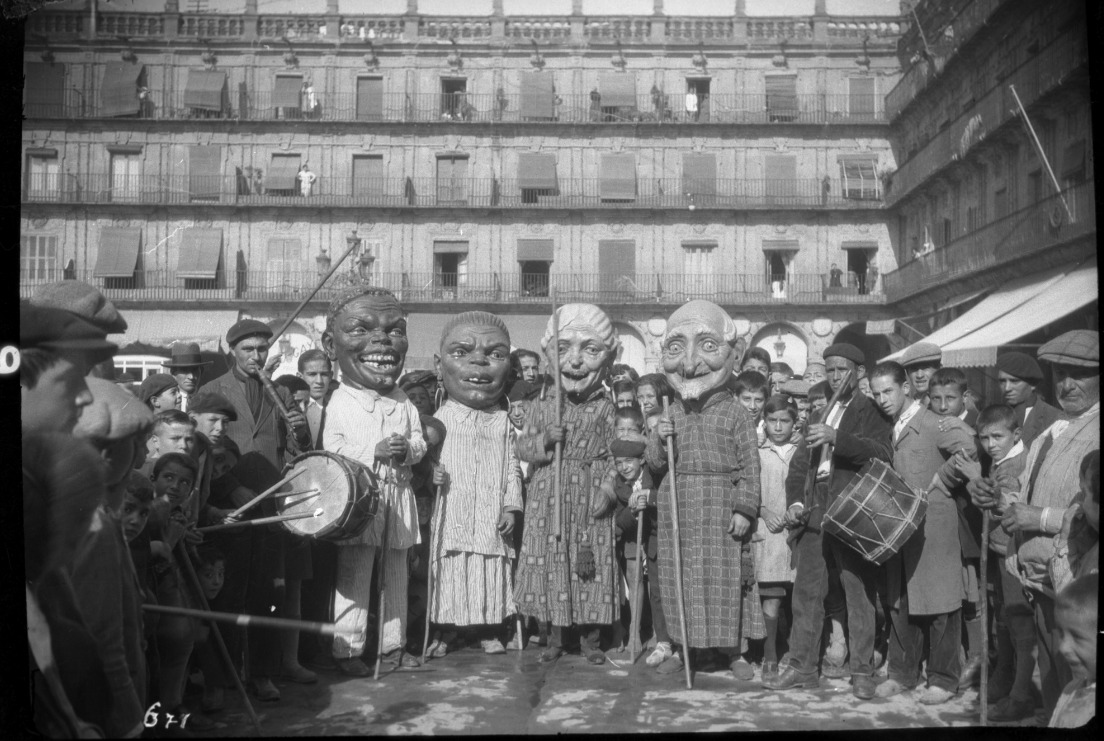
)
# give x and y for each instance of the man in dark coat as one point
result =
(856, 432)
(1019, 377)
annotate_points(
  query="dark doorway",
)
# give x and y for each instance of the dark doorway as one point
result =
(699, 87)
(857, 265)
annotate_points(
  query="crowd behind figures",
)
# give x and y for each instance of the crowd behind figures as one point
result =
(549, 497)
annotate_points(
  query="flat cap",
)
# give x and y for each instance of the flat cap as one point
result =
(154, 385)
(1020, 365)
(847, 351)
(57, 330)
(247, 328)
(627, 448)
(522, 390)
(114, 413)
(425, 378)
(1078, 347)
(212, 402)
(83, 300)
(921, 352)
(796, 387)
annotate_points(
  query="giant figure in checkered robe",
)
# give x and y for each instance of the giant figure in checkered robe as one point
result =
(717, 477)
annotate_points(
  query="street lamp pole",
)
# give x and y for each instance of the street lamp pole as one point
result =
(354, 242)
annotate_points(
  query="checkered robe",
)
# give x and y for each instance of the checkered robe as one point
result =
(546, 584)
(717, 473)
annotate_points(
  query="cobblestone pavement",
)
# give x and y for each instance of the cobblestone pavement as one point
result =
(469, 692)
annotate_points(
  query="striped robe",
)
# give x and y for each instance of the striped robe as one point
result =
(471, 559)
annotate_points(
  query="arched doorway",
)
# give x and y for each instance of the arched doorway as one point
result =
(873, 346)
(785, 344)
(632, 347)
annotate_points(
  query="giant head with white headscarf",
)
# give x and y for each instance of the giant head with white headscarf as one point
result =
(588, 346)
(699, 348)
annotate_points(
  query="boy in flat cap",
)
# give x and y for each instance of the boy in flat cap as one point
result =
(371, 420)
(1048, 484)
(159, 391)
(1019, 377)
(920, 362)
(186, 366)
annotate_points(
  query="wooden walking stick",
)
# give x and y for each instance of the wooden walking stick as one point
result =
(557, 456)
(433, 538)
(676, 535)
(185, 564)
(983, 587)
(244, 620)
(638, 587)
(382, 574)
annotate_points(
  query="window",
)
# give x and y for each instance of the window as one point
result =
(369, 99)
(778, 254)
(616, 97)
(699, 176)
(287, 96)
(858, 264)
(454, 99)
(199, 261)
(205, 94)
(204, 168)
(285, 266)
(538, 97)
(1000, 203)
(119, 258)
(858, 178)
(283, 174)
(450, 267)
(125, 177)
(535, 259)
(781, 98)
(861, 102)
(697, 98)
(536, 176)
(616, 269)
(42, 174)
(618, 177)
(780, 177)
(38, 258)
(452, 179)
(119, 90)
(44, 90)
(368, 180)
(698, 268)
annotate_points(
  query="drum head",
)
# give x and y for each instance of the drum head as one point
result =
(333, 482)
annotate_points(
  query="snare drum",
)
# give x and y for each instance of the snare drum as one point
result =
(348, 496)
(877, 513)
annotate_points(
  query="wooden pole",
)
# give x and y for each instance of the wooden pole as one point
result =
(382, 575)
(302, 305)
(557, 458)
(638, 586)
(246, 621)
(433, 537)
(185, 564)
(983, 587)
(676, 535)
(256, 500)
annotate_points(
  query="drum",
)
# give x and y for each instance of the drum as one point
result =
(348, 496)
(877, 513)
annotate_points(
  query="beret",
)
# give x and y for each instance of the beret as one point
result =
(1021, 365)
(247, 328)
(57, 330)
(155, 384)
(796, 387)
(83, 300)
(418, 378)
(921, 352)
(205, 402)
(1079, 347)
(847, 351)
(623, 448)
(522, 390)
(114, 413)
(479, 318)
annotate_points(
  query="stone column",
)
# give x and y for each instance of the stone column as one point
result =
(172, 18)
(739, 23)
(659, 23)
(820, 22)
(249, 18)
(578, 29)
(498, 20)
(333, 20)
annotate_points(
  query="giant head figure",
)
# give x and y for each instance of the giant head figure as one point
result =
(473, 360)
(699, 348)
(587, 345)
(366, 336)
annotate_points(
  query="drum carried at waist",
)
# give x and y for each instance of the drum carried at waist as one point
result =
(877, 513)
(348, 496)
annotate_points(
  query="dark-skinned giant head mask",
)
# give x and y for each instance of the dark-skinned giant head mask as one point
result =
(366, 336)
(473, 360)
(587, 344)
(699, 348)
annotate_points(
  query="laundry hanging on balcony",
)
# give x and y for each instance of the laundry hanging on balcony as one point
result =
(118, 255)
(119, 89)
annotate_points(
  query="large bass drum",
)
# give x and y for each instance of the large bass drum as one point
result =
(876, 513)
(348, 496)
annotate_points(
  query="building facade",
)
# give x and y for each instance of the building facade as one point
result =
(203, 161)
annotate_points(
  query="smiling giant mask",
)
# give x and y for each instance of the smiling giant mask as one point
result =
(699, 348)
(366, 336)
(587, 345)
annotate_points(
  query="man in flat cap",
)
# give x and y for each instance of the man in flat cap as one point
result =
(266, 443)
(87, 302)
(1048, 484)
(921, 361)
(1019, 377)
(855, 432)
(186, 366)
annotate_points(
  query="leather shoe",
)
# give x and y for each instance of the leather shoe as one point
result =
(265, 690)
(935, 696)
(550, 654)
(353, 667)
(400, 659)
(299, 675)
(1010, 710)
(863, 686)
(790, 679)
(890, 687)
(770, 669)
(971, 673)
(828, 670)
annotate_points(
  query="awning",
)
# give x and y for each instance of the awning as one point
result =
(1069, 293)
(781, 245)
(618, 90)
(881, 326)
(781, 93)
(118, 255)
(534, 249)
(699, 173)
(205, 90)
(699, 244)
(452, 247)
(119, 90)
(200, 253)
(204, 165)
(166, 326)
(537, 95)
(618, 181)
(44, 89)
(369, 99)
(285, 91)
(282, 173)
(1003, 300)
(537, 171)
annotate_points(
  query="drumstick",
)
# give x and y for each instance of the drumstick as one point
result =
(260, 521)
(295, 493)
(983, 587)
(253, 502)
(246, 621)
(300, 501)
(678, 550)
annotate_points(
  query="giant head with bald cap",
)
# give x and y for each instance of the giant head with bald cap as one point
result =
(699, 348)
(588, 346)
(366, 336)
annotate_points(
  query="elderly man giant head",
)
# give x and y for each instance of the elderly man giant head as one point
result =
(1075, 359)
(699, 349)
